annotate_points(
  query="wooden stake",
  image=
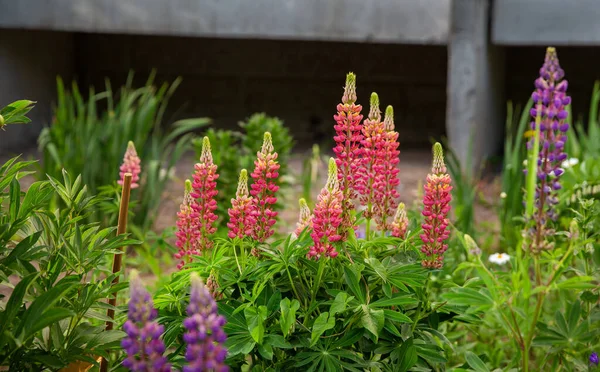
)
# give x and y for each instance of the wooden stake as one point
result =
(118, 258)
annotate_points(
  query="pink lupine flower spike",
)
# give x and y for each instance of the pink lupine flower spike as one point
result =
(204, 192)
(436, 202)
(327, 217)
(131, 164)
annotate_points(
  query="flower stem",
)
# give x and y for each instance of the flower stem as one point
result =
(236, 257)
(317, 283)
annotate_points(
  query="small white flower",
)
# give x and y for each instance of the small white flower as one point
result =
(570, 162)
(503, 195)
(499, 258)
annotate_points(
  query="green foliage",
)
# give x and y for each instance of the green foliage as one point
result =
(56, 313)
(89, 136)
(581, 144)
(236, 150)
(15, 113)
(364, 310)
(511, 203)
(527, 300)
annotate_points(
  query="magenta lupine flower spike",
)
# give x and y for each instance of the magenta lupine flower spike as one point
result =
(241, 219)
(348, 151)
(327, 217)
(204, 334)
(188, 232)
(550, 99)
(143, 345)
(204, 192)
(400, 223)
(372, 158)
(436, 202)
(131, 164)
(305, 219)
(266, 172)
(388, 181)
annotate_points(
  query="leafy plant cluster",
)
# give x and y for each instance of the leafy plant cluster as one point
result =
(55, 314)
(236, 149)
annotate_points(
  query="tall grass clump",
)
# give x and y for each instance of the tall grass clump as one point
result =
(89, 135)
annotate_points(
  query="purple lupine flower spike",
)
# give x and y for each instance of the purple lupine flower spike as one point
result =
(143, 345)
(204, 336)
(550, 97)
(594, 358)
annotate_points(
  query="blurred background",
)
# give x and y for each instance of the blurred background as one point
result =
(447, 66)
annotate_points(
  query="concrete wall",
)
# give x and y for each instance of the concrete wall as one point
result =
(396, 21)
(300, 82)
(29, 64)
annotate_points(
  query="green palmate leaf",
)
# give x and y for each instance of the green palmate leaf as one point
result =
(577, 282)
(15, 198)
(378, 267)
(266, 351)
(21, 249)
(340, 303)
(396, 316)
(474, 362)
(407, 356)
(277, 341)
(467, 297)
(372, 320)
(352, 277)
(49, 317)
(240, 344)
(255, 319)
(15, 302)
(323, 323)
(431, 353)
(397, 300)
(288, 315)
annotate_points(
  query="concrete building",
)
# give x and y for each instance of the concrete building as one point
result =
(447, 66)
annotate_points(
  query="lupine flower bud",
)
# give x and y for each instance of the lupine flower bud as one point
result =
(472, 246)
(305, 218)
(436, 202)
(550, 100)
(204, 334)
(347, 150)
(266, 172)
(400, 223)
(594, 358)
(143, 345)
(131, 164)
(327, 217)
(241, 219)
(371, 162)
(204, 192)
(388, 181)
(188, 232)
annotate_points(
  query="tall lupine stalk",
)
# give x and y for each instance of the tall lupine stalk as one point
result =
(131, 164)
(370, 165)
(327, 217)
(265, 175)
(143, 345)
(188, 229)
(204, 334)
(400, 223)
(204, 192)
(550, 100)
(388, 181)
(348, 150)
(436, 205)
(305, 218)
(241, 219)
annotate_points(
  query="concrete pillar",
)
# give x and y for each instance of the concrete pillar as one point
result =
(29, 64)
(475, 102)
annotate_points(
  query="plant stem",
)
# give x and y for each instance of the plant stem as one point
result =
(368, 227)
(292, 283)
(117, 259)
(236, 257)
(317, 284)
